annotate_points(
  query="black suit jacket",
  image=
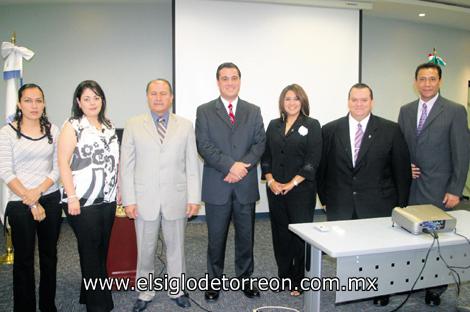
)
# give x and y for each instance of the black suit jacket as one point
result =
(381, 178)
(297, 153)
(220, 144)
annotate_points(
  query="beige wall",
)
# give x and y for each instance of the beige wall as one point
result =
(122, 46)
(391, 51)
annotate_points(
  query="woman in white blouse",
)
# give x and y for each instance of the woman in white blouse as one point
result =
(88, 161)
(28, 165)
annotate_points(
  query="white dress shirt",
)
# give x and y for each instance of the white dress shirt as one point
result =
(234, 105)
(429, 105)
(352, 132)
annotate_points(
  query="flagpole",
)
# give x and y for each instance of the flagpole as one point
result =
(8, 257)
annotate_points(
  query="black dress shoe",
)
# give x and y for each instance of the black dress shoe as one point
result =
(182, 301)
(140, 305)
(250, 292)
(432, 298)
(382, 300)
(211, 295)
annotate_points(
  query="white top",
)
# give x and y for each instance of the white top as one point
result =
(372, 236)
(94, 163)
(234, 105)
(429, 105)
(352, 132)
(29, 160)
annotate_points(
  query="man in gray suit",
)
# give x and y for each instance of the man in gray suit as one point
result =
(160, 184)
(230, 138)
(436, 132)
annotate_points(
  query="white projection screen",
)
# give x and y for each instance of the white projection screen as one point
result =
(273, 45)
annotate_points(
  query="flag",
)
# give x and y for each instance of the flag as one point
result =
(12, 73)
(436, 59)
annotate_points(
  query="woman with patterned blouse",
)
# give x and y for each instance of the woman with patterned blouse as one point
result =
(28, 165)
(88, 161)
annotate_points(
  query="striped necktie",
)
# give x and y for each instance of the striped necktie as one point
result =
(161, 130)
(422, 118)
(357, 141)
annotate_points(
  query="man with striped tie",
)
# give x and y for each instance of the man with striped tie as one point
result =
(160, 184)
(436, 131)
(364, 171)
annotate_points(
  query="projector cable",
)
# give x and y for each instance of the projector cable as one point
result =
(420, 272)
(455, 275)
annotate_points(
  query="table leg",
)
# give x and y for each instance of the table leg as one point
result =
(312, 270)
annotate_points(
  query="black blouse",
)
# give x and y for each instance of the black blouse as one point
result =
(296, 153)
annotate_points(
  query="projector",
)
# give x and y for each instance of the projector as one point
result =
(423, 218)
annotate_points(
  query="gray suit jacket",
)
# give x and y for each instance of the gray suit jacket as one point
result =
(441, 151)
(220, 144)
(159, 177)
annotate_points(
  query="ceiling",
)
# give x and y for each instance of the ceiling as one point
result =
(454, 14)
(447, 13)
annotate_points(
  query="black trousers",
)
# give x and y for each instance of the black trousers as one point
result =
(23, 234)
(92, 228)
(289, 249)
(218, 221)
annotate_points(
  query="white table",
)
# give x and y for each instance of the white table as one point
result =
(374, 248)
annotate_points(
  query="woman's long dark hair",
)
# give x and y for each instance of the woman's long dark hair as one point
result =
(77, 112)
(300, 94)
(43, 120)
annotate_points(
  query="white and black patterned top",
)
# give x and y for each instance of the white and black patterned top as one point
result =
(29, 160)
(94, 163)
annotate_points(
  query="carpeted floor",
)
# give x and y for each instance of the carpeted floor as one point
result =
(196, 239)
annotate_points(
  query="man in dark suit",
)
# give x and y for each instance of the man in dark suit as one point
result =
(364, 171)
(230, 138)
(437, 134)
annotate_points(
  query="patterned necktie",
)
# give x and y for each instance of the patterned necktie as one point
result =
(161, 130)
(357, 141)
(230, 113)
(422, 118)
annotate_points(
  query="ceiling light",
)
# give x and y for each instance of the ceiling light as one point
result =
(422, 14)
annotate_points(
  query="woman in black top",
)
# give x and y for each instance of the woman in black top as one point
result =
(289, 164)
